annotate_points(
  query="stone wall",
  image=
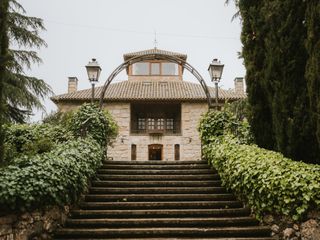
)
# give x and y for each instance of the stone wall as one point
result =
(35, 225)
(285, 228)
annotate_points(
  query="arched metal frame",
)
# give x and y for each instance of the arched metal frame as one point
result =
(156, 56)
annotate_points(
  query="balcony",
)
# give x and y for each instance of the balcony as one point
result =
(155, 119)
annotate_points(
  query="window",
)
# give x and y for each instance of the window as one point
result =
(160, 124)
(133, 152)
(140, 68)
(176, 152)
(169, 69)
(155, 68)
(151, 123)
(141, 123)
(170, 124)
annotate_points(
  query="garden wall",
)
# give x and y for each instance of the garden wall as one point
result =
(37, 224)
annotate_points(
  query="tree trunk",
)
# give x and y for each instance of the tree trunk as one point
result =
(4, 45)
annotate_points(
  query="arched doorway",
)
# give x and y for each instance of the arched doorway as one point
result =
(155, 151)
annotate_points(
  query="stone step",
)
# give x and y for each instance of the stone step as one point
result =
(157, 197)
(161, 205)
(157, 177)
(161, 171)
(159, 190)
(181, 162)
(162, 222)
(215, 183)
(232, 212)
(160, 200)
(172, 238)
(164, 232)
(156, 167)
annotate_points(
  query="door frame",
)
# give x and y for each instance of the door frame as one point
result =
(155, 145)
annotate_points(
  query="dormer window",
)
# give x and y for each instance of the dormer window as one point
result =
(169, 69)
(140, 68)
(155, 69)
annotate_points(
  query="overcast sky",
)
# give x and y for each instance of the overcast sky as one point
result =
(78, 30)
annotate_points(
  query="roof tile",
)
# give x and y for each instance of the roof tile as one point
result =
(150, 90)
(154, 51)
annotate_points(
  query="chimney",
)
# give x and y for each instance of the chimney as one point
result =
(72, 84)
(239, 85)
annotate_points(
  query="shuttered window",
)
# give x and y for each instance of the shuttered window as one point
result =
(176, 152)
(133, 152)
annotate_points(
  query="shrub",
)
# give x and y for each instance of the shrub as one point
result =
(216, 123)
(57, 177)
(24, 139)
(90, 120)
(267, 181)
(59, 118)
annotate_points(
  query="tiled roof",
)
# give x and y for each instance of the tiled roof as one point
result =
(154, 51)
(150, 90)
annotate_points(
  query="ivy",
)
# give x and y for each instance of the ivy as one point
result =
(51, 163)
(90, 120)
(31, 139)
(215, 123)
(56, 177)
(266, 180)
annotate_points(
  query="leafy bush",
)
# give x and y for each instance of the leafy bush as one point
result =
(57, 177)
(59, 118)
(216, 123)
(90, 120)
(240, 109)
(266, 180)
(60, 173)
(24, 139)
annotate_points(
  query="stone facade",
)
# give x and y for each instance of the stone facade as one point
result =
(188, 140)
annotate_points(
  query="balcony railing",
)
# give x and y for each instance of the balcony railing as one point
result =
(156, 131)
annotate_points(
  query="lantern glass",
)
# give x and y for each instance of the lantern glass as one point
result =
(215, 70)
(93, 70)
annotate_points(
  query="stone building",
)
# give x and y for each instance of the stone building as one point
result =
(156, 109)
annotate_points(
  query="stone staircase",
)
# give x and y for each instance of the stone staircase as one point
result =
(160, 200)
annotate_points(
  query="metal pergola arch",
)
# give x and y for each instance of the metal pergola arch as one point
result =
(156, 56)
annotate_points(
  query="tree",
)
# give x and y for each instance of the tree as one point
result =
(19, 93)
(283, 74)
(4, 44)
(313, 63)
(253, 52)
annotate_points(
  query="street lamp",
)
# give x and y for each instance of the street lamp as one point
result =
(215, 70)
(93, 70)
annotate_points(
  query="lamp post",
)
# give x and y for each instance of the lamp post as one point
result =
(93, 70)
(215, 70)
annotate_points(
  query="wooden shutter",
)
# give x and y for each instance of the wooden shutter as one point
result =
(176, 152)
(133, 152)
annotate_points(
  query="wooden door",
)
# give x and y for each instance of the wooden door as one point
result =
(155, 151)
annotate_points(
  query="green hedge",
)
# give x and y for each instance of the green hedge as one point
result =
(56, 177)
(267, 181)
(31, 139)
